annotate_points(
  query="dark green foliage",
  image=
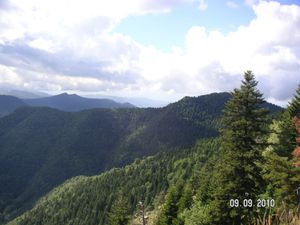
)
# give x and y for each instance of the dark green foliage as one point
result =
(280, 172)
(294, 106)
(186, 198)
(107, 197)
(205, 110)
(41, 147)
(287, 132)
(283, 179)
(286, 135)
(178, 199)
(236, 174)
(119, 213)
(170, 211)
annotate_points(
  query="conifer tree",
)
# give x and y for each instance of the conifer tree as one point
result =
(280, 169)
(286, 136)
(237, 175)
(294, 110)
(119, 213)
(288, 132)
(170, 209)
(294, 106)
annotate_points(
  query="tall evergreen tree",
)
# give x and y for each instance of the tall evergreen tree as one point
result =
(294, 106)
(119, 213)
(282, 157)
(237, 175)
(170, 210)
(286, 136)
(288, 132)
(294, 110)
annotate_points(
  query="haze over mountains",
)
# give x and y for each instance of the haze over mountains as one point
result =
(8, 104)
(73, 103)
(64, 102)
(42, 147)
(22, 94)
(136, 101)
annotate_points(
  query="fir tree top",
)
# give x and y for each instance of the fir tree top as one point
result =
(294, 105)
(244, 112)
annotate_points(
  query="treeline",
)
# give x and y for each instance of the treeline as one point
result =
(249, 175)
(255, 177)
(113, 197)
(40, 148)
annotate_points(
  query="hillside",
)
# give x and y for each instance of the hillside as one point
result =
(41, 147)
(73, 103)
(8, 104)
(90, 200)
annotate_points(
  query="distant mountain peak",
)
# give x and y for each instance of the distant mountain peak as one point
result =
(73, 102)
(67, 94)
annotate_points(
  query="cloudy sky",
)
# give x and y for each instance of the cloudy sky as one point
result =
(160, 49)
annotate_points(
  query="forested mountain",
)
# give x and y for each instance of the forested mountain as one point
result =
(8, 104)
(73, 103)
(248, 176)
(96, 199)
(42, 147)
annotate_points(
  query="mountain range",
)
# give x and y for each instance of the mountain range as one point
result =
(74, 103)
(42, 147)
(22, 94)
(64, 102)
(141, 102)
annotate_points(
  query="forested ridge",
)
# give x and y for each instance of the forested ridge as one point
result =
(92, 200)
(75, 103)
(42, 147)
(215, 180)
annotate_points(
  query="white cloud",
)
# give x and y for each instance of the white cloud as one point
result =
(251, 2)
(232, 5)
(75, 48)
(212, 61)
(8, 77)
(202, 5)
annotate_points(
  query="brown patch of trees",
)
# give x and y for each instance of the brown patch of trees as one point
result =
(296, 152)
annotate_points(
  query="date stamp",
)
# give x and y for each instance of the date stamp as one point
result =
(248, 203)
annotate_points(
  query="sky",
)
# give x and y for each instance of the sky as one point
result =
(162, 50)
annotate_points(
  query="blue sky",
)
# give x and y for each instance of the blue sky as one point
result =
(149, 48)
(165, 30)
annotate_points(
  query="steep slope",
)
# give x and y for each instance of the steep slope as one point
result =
(8, 104)
(42, 147)
(73, 103)
(90, 200)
